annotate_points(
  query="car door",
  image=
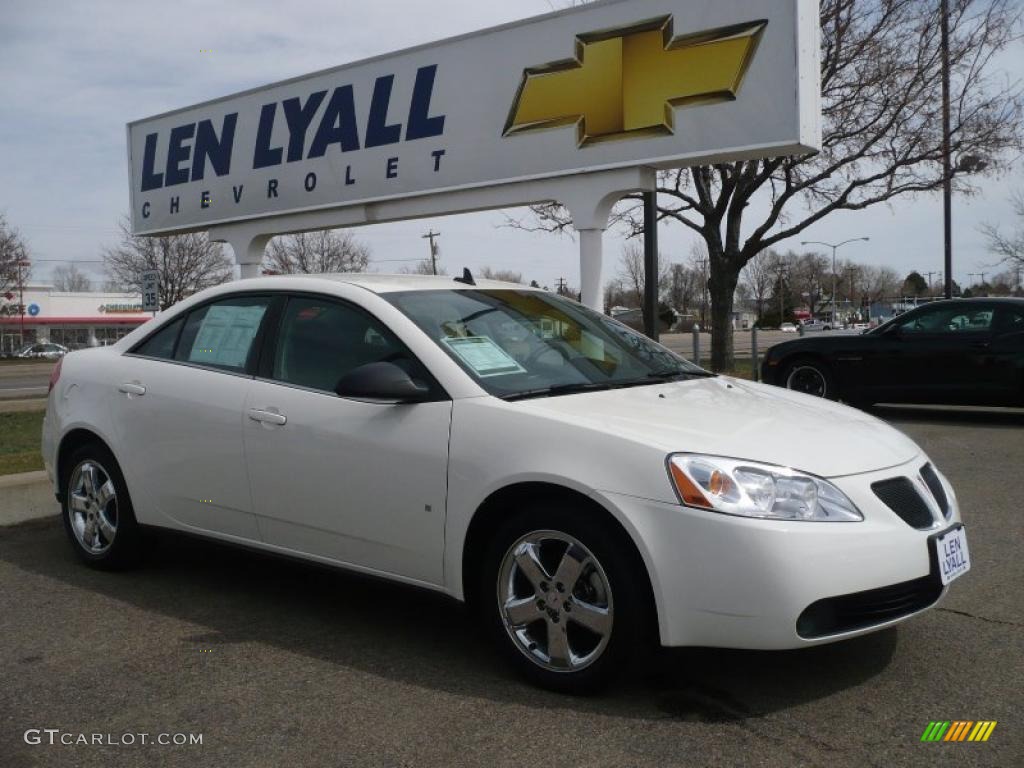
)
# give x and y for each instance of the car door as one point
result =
(1006, 353)
(178, 410)
(939, 355)
(357, 482)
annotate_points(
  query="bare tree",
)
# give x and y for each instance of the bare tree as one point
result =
(633, 276)
(319, 252)
(504, 275)
(186, 263)
(1008, 246)
(810, 278)
(878, 283)
(760, 275)
(71, 279)
(881, 101)
(684, 287)
(13, 252)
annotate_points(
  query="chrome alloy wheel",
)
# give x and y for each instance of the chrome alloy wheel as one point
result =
(92, 507)
(808, 380)
(555, 602)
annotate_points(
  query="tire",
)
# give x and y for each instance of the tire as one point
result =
(97, 511)
(602, 618)
(810, 377)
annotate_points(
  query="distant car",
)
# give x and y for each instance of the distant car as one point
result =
(817, 325)
(42, 351)
(957, 352)
(787, 328)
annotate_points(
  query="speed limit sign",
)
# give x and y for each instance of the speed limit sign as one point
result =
(151, 291)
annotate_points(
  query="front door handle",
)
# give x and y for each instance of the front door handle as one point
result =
(131, 388)
(268, 417)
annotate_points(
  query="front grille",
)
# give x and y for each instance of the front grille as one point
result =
(860, 610)
(900, 495)
(935, 486)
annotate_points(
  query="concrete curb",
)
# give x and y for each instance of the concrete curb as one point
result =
(26, 496)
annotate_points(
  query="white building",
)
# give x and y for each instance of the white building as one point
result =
(91, 319)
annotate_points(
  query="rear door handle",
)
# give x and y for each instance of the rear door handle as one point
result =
(131, 388)
(268, 417)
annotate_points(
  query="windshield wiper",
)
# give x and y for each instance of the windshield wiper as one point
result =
(559, 389)
(669, 375)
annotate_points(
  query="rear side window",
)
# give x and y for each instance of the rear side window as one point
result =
(222, 334)
(161, 344)
(321, 341)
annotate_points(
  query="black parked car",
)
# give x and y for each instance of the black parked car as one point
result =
(957, 352)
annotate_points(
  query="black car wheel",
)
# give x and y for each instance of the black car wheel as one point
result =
(810, 377)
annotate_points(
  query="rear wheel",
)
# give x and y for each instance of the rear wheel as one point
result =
(563, 598)
(97, 511)
(810, 377)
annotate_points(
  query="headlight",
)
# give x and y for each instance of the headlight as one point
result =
(751, 489)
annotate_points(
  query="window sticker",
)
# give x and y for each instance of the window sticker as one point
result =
(226, 335)
(484, 356)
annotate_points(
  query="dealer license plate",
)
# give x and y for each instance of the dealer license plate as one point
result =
(954, 560)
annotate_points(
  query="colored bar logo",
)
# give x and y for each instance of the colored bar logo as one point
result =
(958, 730)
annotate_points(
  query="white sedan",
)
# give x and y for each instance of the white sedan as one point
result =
(580, 486)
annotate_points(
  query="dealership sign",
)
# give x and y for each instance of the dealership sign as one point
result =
(616, 84)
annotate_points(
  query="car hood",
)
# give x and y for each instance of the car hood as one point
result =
(728, 417)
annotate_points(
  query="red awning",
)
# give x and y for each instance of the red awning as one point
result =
(98, 320)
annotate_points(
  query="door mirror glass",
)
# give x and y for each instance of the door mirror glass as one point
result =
(381, 381)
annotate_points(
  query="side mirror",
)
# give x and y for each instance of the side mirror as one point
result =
(380, 381)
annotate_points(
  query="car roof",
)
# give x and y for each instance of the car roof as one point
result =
(378, 283)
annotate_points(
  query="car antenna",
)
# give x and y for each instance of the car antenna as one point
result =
(467, 277)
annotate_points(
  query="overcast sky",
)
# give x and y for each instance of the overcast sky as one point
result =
(74, 73)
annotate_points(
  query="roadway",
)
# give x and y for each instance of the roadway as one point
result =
(19, 379)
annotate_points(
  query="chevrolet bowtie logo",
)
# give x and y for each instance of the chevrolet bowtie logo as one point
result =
(626, 82)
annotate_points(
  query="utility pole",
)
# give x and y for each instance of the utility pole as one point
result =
(561, 288)
(433, 249)
(947, 158)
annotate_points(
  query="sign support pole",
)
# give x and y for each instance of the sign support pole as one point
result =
(651, 264)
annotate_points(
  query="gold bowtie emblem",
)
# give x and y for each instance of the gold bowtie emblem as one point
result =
(627, 82)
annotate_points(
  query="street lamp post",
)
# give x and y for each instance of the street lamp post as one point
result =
(835, 247)
(947, 158)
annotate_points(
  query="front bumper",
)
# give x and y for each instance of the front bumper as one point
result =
(738, 582)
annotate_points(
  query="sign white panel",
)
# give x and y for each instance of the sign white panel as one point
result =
(151, 291)
(617, 84)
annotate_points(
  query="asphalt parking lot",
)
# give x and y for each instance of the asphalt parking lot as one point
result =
(276, 663)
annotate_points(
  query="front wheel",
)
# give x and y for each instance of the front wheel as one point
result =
(563, 599)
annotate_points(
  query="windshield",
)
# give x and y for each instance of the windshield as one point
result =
(519, 344)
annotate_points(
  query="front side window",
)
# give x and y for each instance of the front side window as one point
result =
(518, 343)
(222, 334)
(949, 320)
(322, 340)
